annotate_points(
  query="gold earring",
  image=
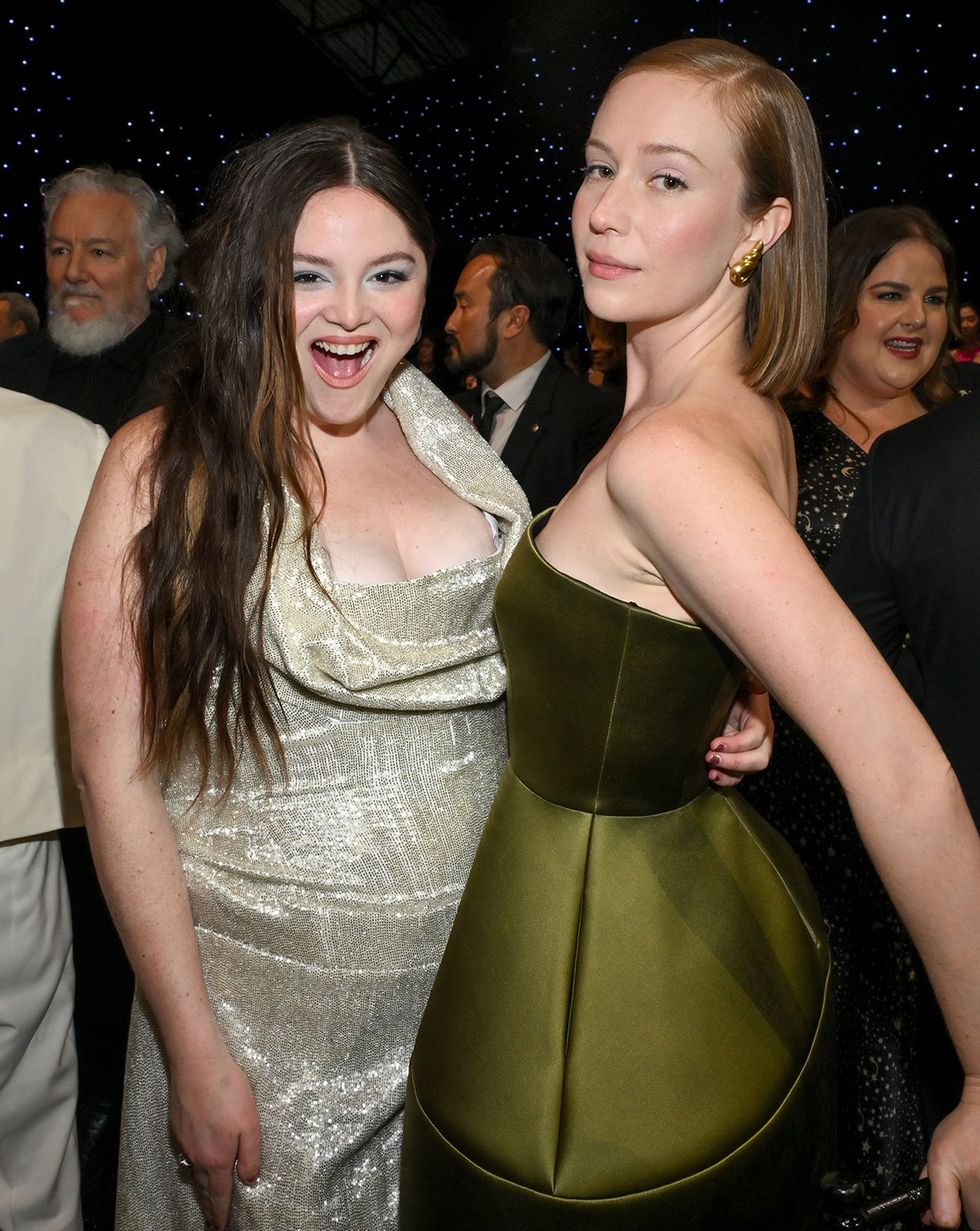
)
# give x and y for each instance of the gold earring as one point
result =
(742, 270)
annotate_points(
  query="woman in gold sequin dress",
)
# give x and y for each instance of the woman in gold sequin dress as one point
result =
(321, 698)
(319, 684)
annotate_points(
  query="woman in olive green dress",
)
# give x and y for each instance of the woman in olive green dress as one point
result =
(629, 1027)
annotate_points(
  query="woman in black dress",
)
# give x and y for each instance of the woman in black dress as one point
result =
(889, 309)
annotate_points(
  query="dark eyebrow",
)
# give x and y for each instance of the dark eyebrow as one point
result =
(655, 147)
(394, 256)
(902, 286)
(311, 259)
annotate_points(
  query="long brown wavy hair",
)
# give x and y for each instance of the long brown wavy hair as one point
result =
(231, 444)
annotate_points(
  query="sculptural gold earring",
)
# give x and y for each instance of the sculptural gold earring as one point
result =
(742, 270)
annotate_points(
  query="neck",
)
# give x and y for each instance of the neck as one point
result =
(327, 436)
(864, 417)
(664, 358)
(509, 360)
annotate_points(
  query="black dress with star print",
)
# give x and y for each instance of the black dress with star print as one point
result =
(877, 975)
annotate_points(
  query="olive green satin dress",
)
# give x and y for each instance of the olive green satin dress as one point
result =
(630, 1026)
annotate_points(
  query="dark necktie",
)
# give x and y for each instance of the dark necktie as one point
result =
(492, 402)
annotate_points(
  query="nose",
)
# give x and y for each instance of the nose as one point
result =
(610, 208)
(914, 317)
(451, 321)
(349, 306)
(76, 266)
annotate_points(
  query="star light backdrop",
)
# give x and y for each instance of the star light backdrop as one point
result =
(496, 140)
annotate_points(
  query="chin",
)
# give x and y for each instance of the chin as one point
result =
(342, 409)
(88, 337)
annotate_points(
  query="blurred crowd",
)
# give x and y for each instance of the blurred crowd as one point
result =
(543, 380)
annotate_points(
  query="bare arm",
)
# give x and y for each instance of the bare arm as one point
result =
(675, 492)
(213, 1114)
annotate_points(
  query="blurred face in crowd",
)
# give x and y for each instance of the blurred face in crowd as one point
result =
(9, 329)
(425, 356)
(98, 282)
(901, 324)
(607, 345)
(471, 334)
(969, 322)
(359, 289)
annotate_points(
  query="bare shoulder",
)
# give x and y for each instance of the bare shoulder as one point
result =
(123, 478)
(133, 444)
(118, 505)
(703, 444)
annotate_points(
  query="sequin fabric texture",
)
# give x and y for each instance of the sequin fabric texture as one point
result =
(876, 970)
(322, 903)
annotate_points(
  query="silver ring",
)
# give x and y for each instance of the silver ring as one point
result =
(183, 1161)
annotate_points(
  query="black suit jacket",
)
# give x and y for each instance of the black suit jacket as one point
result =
(109, 388)
(909, 561)
(564, 423)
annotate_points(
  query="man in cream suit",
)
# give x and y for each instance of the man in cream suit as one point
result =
(48, 458)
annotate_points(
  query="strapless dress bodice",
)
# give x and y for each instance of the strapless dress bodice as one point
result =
(610, 707)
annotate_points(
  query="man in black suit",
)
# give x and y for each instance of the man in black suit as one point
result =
(111, 245)
(908, 564)
(512, 301)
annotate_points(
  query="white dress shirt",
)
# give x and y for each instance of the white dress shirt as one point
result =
(515, 391)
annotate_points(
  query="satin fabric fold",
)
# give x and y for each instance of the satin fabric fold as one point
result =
(629, 1027)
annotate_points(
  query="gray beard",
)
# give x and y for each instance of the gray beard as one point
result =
(87, 337)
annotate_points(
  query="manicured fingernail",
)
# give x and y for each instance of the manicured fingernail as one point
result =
(714, 759)
(714, 776)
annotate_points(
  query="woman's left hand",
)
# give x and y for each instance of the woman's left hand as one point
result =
(214, 1123)
(954, 1164)
(745, 744)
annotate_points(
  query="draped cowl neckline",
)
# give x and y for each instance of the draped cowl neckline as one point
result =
(416, 644)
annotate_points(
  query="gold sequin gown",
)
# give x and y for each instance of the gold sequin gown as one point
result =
(323, 903)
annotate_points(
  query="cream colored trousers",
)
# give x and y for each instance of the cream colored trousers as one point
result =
(38, 1072)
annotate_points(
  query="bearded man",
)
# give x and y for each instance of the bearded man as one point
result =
(513, 299)
(112, 245)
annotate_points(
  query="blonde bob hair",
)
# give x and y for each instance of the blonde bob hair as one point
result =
(779, 154)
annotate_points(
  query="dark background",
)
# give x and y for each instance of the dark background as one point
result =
(489, 103)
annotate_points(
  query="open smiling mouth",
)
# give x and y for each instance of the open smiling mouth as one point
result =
(907, 348)
(342, 364)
